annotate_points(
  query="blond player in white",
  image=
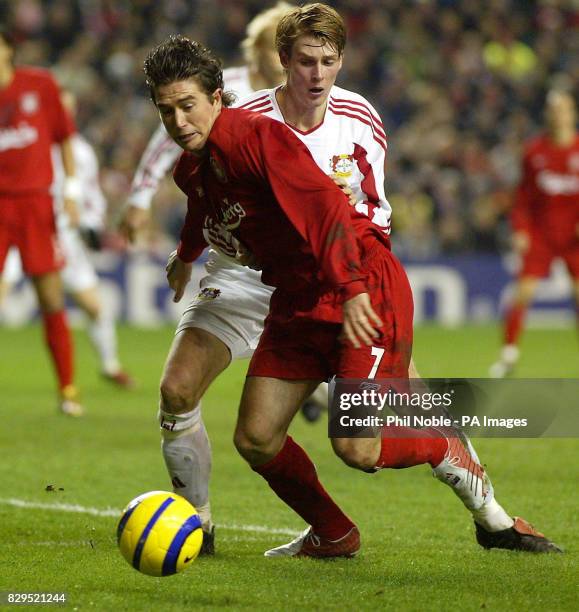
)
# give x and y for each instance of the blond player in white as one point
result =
(79, 277)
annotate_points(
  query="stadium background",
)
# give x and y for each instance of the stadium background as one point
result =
(456, 111)
(459, 86)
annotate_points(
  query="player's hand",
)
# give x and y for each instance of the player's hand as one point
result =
(178, 275)
(133, 220)
(71, 211)
(246, 258)
(521, 242)
(342, 183)
(361, 323)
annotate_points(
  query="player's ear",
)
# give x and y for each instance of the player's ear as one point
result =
(217, 96)
(284, 60)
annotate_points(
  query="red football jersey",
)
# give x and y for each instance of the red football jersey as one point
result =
(547, 199)
(32, 118)
(259, 181)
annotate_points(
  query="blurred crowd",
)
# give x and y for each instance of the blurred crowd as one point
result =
(459, 84)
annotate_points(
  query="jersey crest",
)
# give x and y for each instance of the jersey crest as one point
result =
(342, 165)
(209, 293)
(218, 170)
(29, 102)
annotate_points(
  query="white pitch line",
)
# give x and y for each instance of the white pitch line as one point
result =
(115, 512)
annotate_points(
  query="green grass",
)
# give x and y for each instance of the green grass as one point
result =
(418, 549)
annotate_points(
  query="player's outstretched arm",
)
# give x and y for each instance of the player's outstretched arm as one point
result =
(360, 320)
(133, 220)
(71, 187)
(178, 275)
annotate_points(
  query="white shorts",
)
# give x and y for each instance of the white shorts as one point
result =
(232, 304)
(12, 271)
(78, 273)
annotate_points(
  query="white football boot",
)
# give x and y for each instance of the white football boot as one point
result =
(507, 361)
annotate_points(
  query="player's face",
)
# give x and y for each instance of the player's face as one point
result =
(560, 112)
(269, 66)
(311, 69)
(5, 53)
(187, 112)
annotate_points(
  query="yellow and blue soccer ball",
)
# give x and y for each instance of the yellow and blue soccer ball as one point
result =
(159, 533)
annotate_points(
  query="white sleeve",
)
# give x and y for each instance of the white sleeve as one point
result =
(370, 154)
(158, 159)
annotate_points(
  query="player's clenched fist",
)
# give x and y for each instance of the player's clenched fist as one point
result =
(132, 221)
(343, 184)
(178, 275)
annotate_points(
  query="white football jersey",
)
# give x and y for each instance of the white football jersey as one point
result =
(349, 143)
(162, 151)
(92, 204)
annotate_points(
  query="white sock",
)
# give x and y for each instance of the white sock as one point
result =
(320, 395)
(187, 455)
(510, 354)
(492, 516)
(103, 336)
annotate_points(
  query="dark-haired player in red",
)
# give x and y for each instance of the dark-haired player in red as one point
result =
(545, 217)
(32, 118)
(342, 304)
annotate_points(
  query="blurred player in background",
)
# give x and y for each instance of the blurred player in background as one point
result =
(209, 336)
(545, 217)
(311, 77)
(79, 276)
(32, 118)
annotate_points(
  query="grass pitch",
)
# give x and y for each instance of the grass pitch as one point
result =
(418, 549)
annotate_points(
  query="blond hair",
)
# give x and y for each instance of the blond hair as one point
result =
(260, 31)
(318, 20)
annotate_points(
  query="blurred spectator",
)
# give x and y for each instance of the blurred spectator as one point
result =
(459, 85)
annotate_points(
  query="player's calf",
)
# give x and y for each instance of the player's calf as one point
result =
(359, 453)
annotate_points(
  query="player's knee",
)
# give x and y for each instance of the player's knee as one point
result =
(178, 395)
(355, 453)
(256, 446)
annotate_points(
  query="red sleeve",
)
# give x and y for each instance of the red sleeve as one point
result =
(192, 242)
(521, 218)
(62, 124)
(314, 205)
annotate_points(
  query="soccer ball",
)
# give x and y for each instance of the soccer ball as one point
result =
(159, 533)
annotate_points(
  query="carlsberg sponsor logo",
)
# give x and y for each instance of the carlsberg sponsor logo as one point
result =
(232, 215)
(558, 184)
(18, 137)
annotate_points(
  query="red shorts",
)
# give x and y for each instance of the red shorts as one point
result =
(27, 222)
(538, 259)
(303, 349)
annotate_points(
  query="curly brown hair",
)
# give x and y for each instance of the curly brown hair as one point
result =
(180, 58)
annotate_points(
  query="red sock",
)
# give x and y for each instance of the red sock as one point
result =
(514, 323)
(292, 476)
(402, 448)
(58, 338)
